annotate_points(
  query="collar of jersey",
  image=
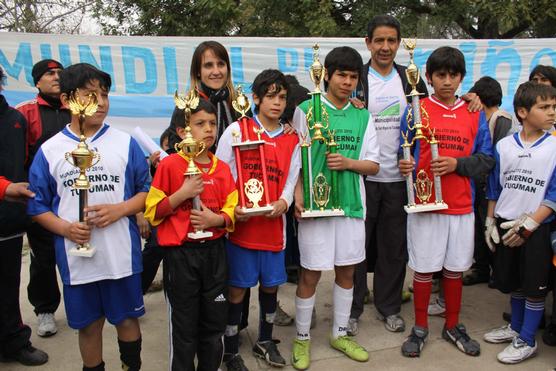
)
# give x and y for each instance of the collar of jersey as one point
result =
(388, 77)
(271, 134)
(457, 104)
(537, 142)
(66, 131)
(213, 159)
(329, 104)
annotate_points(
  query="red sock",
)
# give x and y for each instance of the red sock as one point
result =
(422, 285)
(452, 295)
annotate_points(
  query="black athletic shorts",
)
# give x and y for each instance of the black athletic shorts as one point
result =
(526, 268)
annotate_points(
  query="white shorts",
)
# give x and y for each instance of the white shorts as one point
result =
(436, 241)
(327, 242)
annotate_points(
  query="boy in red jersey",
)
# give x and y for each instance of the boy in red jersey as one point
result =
(256, 247)
(195, 271)
(443, 240)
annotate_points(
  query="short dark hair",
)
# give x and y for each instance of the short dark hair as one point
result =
(296, 95)
(547, 71)
(383, 20)
(489, 90)
(78, 75)
(178, 116)
(342, 58)
(527, 94)
(165, 135)
(265, 80)
(448, 59)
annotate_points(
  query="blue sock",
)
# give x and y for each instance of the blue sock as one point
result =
(517, 301)
(534, 310)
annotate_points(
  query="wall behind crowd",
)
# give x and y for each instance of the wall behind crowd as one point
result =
(146, 71)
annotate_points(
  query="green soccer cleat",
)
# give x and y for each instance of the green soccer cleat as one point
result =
(301, 354)
(350, 348)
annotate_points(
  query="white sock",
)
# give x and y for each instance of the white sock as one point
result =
(342, 309)
(303, 312)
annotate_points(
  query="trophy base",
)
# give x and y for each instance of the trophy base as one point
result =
(420, 208)
(252, 144)
(85, 252)
(254, 211)
(322, 213)
(199, 235)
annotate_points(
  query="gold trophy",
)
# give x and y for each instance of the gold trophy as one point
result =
(423, 187)
(191, 148)
(83, 158)
(253, 189)
(321, 193)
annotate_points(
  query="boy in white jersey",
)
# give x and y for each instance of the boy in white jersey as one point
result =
(339, 242)
(108, 284)
(522, 200)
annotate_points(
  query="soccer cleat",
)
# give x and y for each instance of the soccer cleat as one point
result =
(415, 342)
(504, 334)
(353, 327)
(458, 336)
(268, 351)
(517, 351)
(47, 325)
(437, 308)
(301, 354)
(350, 348)
(236, 364)
(282, 318)
(393, 322)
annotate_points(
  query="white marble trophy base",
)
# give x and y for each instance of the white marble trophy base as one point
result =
(251, 144)
(85, 252)
(261, 210)
(199, 235)
(423, 208)
(322, 213)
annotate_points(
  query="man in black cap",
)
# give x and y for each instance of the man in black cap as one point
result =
(45, 117)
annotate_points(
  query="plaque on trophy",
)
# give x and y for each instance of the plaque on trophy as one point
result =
(82, 158)
(252, 190)
(190, 149)
(423, 187)
(320, 191)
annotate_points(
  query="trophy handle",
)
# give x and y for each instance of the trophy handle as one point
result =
(202, 146)
(96, 157)
(68, 157)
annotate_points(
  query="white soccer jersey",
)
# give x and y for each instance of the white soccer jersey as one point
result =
(523, 177)
(120, 174)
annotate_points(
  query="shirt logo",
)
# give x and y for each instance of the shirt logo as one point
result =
(17, 125)
(452, 116)
(220, 298)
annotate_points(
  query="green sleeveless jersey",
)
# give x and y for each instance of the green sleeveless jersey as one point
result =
(350, 125)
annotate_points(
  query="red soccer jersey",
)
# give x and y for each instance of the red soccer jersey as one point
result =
(4, 183)
(219, 195)
(260, 232)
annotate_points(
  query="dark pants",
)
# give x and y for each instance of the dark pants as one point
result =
(482, 255)
(292, 247)
(14, 335)
(43, 291)
(152, 256)
(386, 248)
(195, 284)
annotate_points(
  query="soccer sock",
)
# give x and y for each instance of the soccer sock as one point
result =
(422, 286)
(267, 308)
(303, 312)
(130, 354)
(534, 310)
(517, 302)
(231, 336)
(342, 308)
(99, 367)
(452, 283)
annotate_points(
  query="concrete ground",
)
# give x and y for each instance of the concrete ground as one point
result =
(481, 311)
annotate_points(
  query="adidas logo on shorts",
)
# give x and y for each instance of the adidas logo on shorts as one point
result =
(220, 298)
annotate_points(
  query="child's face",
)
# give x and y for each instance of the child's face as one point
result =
(341, 84)
(93, 86)
(445, 84)
(541, 79)
(541, 116)
(272, 104)
(214, 71)
(203, 127)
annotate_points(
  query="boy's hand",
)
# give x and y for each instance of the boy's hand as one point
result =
(491, 233)
(18, 192)
(443, 165)
(78, 232)
(475, 104)
(240, 215)
(143, 224)
(406, 166)
(205, 218)
(103, 215)
(336, 161)
(280, 207)
(519, 230)
(357, 103)
(191, 187)
(288, 129)
(154, 158)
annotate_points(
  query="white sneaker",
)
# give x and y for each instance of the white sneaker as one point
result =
(517, 351)
(47, 325)
(437, 308)
(353, 327)
(504, 334)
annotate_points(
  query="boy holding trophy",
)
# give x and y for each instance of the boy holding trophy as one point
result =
(102, 274)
